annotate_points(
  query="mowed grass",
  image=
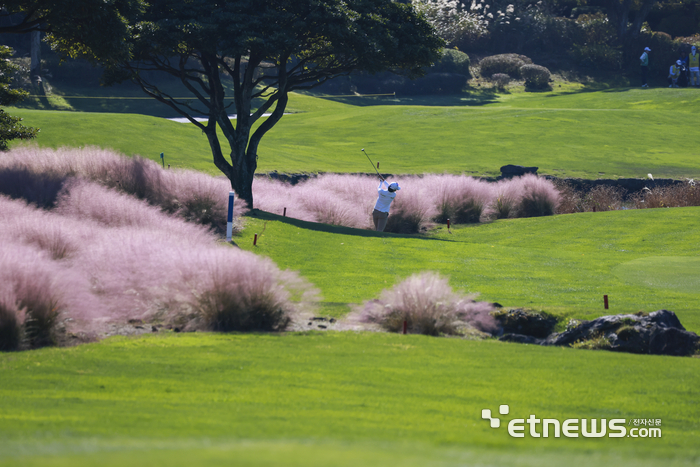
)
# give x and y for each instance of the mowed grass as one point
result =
(334, 399)
(609, 134)
(644, 260)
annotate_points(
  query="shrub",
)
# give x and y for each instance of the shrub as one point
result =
(460, 199)
(535, 76)
(37, 188)
(506, 201)
(593, 48)
(509, 64)
(604, 198)
(413, 210)
(570, 198)
(686, 194)
(29, 293)
(501, 80)
(539, 197)
(453, 61)
(247, 293)
(429, 306)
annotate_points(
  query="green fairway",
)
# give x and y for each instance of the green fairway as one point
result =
(334, 399)
(609, 134)
(561, 264)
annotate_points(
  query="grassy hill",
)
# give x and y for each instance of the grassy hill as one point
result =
(609, 134)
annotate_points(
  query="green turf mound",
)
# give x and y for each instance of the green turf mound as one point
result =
(681, 273)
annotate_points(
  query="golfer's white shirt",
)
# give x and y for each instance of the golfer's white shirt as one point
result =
(385, 198)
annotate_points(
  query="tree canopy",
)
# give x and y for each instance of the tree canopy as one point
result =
(85, 28)
(258, 51)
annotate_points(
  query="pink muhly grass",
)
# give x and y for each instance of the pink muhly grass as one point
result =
(458, 198)
(539, 196)
(274, 196)
(506, 200)
(429, 306)
(413, 209)
(53, 234)
(29, 291)
(88, 201)
(243, 292)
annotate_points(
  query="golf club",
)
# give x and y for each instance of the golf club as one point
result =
(370, 161)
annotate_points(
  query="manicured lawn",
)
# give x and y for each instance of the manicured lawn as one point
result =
(609, 134)
(314, 399)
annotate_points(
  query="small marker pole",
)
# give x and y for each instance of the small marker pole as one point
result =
(168, 165)
(405, 326)
(448, 224)
(162, 159)
(605, 301)
(255, 240)
(284, 214)
(229, 219)
(377, 164)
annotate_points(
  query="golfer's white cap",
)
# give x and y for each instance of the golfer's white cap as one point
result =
(678, 62)
(394, 186)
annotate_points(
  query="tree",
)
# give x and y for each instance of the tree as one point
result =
(85, 28)
(10, 127)
(260, 51)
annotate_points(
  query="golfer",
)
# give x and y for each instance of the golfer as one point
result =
(381, 208)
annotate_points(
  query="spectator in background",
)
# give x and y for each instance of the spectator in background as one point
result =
(644, 59)
(694, 67)
(684, 78)
(674, 73)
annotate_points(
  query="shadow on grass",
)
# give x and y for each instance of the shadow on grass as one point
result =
(471, 98)
(335, 229)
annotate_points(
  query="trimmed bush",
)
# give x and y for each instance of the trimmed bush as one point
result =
(535, 76)
(501, 80)
(453, 61)
(509, 64)
(429, 306)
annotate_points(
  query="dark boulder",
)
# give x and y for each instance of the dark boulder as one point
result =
(659, 333)
(510, 171)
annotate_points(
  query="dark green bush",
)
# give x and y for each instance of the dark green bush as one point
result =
(501, 80)
(509, 64)
(453, 61)
(535, 76)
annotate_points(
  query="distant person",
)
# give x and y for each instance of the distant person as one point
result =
(381, 209)
(644, 61)
(694, 67)
(684, 78)
(674, 73)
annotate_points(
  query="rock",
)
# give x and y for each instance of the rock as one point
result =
(520, 339)
(510, 171)
(135, 321)
(154, 329)
(673, 341)
(660, 333)
(322, 326)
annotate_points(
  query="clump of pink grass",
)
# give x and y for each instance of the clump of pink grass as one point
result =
(429, 306)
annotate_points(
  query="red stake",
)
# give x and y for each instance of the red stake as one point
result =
(605, 301)
(255, 240)
(284, 214)
(377, 164)
(405, 326)
(448, 224)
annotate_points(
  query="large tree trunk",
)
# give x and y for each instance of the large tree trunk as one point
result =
(35, 66)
